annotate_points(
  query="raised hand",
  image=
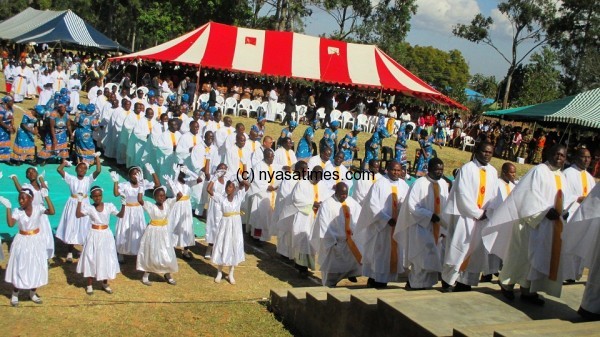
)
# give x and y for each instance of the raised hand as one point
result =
(68, 163)
(114, 176)
(149, 168)
(97, 154)
(123, 200)
(80, 197)
(44, 192)
(5, 202)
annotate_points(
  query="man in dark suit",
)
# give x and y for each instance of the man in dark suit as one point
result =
(290, 107)
(212, 96)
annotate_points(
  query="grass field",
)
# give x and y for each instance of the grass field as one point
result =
(196, 306)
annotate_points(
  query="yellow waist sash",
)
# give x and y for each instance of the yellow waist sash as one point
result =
(185, 197)
(228, 214)
(75, 196)
(31, 232)
(159, 222)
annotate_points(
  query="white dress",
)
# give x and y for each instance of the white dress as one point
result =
(214, 213)
(156, 253)
(130, 227)
(45, 229)
(180, 219)
(99, 256)
(28, 263)
(229, 244)
(72, 230)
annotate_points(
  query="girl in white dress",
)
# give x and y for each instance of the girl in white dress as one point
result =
(180, 218)
(229, 243)
(72, 230)
(28, 263)
(213, 214)
(99, 256)
(37, 184)
(130, 227)
(157, 254)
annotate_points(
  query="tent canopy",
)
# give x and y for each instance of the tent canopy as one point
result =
(582, 109)
(289, 54)
(36, 26)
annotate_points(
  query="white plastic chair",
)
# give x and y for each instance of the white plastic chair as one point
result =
(468, 141)
(301, 109)
(321, 114)
(347, 118)
(244, 107)
(372, 123)
(253, 108)
(230, 104)
(280, 111)
(363, 122)
(203, 98)
(336, 115)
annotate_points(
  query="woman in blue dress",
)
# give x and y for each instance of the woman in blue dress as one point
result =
(402, 143)
(84, 143)
(425, 153)
(348, 145)
(287, 133)
(305, 149)
(6, 127)
(24, 149)
(56, 144)
(440, 135)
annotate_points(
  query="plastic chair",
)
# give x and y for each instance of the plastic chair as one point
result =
(243, 107)
(336, 115)
(468, 141)
(363, 122)
(321, 114)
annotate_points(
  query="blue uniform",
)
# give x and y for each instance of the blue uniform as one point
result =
(373, 145)
(84, 144)
(425, 154)
(401, 145)
(7, 117)
(304, 150)
(329, 139)
(24, 148)
(347, 145)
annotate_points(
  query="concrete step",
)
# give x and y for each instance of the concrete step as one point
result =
(572, 330)
(488, 330)
(277, 301)
(438, 315)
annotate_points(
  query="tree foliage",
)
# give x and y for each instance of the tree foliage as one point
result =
(448, 72)
(575, 33)
(542, 79)
(528, 19)
(485, 85)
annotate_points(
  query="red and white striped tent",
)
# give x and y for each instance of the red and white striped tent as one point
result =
(289, 54)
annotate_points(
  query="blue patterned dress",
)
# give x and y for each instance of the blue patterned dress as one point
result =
(84, 143)
(347, 145)
(62, 145)
(329, 139)
(401, 145)
(304, 150)
(373, 145)
(24, 148)
(7, 118)
(426, 153)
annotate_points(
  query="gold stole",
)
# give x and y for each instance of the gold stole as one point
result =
(584, 183)
(337, 169)
(316, 191)
(150, 126)
(480, 198)
(194, 139)
(289, 160)
(240, 154)
(272, 192)
(437, 207)
(507, 189)
(349, 241)
(21, 79)
(557, 231)
(173, 140)
(394, 250)
(206, 151)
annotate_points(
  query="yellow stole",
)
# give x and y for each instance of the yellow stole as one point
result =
(584, 183)
(240, 154)
(557, 231)
(437, 208)
(272, 192)
(394, 250)
(316, 191)
(173, 139)
(480, 198)
(349, 241)
(150, 126)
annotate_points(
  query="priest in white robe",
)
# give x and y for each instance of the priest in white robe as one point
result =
(265, 178)
(221, 135)
(333, 238)
(22, 77)
(142, 131)
(420, 228)
(257, 156)
(166, 144)
(188, 141)
(321, 159)
(59, 78)
(336, 172)
(114, 129)
(285, 155)
(584, 226)
(130, 121)
(272, 106)
(471, 198)
(204, 159)
(532, 253)
(363, 186)
(382, 255)
(284, 225)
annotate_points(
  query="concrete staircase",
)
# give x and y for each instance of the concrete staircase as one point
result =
(321, 311)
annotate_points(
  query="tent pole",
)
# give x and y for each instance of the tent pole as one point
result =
(197, 87)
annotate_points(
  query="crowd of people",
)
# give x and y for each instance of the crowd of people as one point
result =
(380, 225)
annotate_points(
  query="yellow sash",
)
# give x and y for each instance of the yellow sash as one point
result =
(138, 116)
(20, 82)
(127, 113)
(349, 241)
(339, 178)
(240, 154)
(394, 250)
(173, 140)
(159, 222)
(480, 198)
(228, 131)
(437, 208)
(507, 189)
(75, 196)
(228, 214)
(183, 198)
(159, 112)
(272, 192)
(150, 126)
(30, 232)
(219, 126)
(206, 151)
(194, 139)
(253, 146)
(316, 190)
(557, 231)
(584, 183)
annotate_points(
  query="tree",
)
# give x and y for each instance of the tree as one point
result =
(528, 19)
(542, 79)
(575, 33)
(388, 24)
(448, 72)
(485, 85)
(348, 15)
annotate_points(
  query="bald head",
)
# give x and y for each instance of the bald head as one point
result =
(509, 172)
(341, 191)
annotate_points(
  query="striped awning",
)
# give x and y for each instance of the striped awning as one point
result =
(36, 26)
(582, 109)
(293, 55)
